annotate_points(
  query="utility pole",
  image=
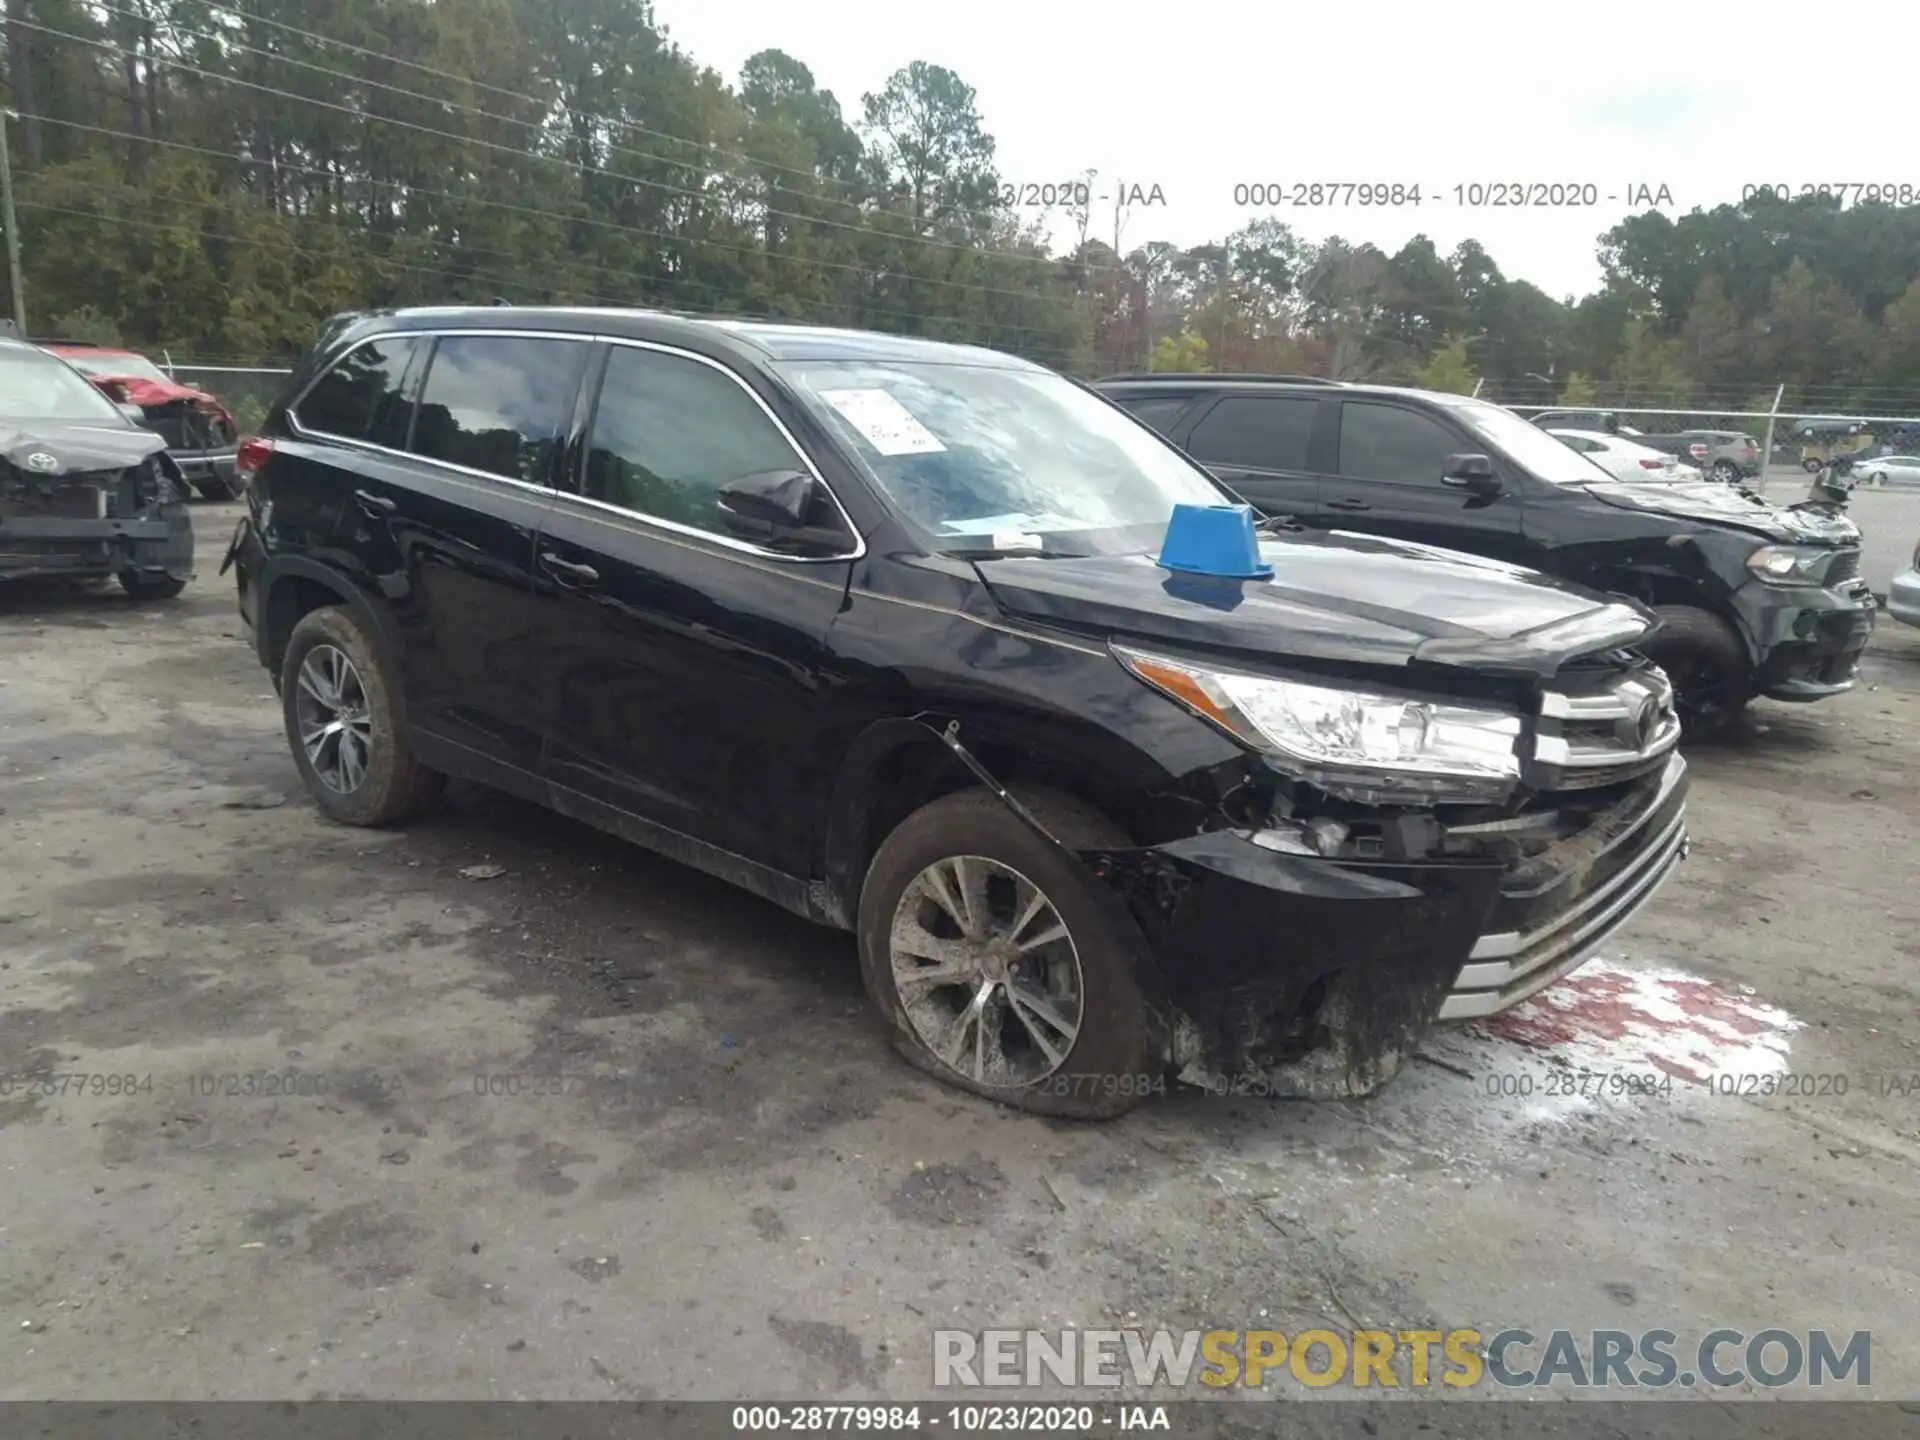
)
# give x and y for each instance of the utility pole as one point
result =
(1226, 266)
(14, 280)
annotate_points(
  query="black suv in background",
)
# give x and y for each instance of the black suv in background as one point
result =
(873, 627)
(1753, 599)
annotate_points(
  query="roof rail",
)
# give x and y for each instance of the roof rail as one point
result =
(1212, 377)
(75, 344)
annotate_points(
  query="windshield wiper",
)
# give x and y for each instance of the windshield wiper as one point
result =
(1279, 525)
(993, 552)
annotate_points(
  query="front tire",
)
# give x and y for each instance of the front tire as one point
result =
(148, 586)
(988, 955)
(218, 488)
(1707, 663)
(344, 725)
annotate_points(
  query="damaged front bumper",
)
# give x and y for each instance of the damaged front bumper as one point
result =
(1809, 639)
(56, 545)
(1318, 975)
(201, 466)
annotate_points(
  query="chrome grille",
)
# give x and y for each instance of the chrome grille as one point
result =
(1600, 735)
(1843, 567)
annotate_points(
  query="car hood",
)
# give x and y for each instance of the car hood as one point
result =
(72, 448)
(1716, 504)
(1342, 597)
(143, 391)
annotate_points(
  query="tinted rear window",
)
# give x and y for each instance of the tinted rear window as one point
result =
(360, 397)
(498, 403)
(1162, 412)
(1256, 432)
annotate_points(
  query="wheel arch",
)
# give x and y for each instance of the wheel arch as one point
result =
(896, 766)
(293, 587)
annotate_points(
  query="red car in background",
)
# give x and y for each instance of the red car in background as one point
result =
(200, 432)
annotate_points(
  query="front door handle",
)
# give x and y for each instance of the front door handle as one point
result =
(375, 505)
(1348, 504)
(568, 573)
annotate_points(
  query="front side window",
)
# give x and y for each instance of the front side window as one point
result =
(1386, 442)
(498, 403)
(988, 457)
(361, 397)
(669, 433)
(35, 385)
(1526, 444)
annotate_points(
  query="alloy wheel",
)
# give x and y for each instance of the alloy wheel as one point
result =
(986, 971)
(336, 727)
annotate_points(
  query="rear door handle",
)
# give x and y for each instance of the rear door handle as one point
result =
(375, 504)
(568, 573)
(1348, 504)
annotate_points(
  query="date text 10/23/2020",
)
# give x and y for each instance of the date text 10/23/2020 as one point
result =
(1326, 194)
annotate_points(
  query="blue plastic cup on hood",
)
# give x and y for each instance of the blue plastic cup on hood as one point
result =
(1216, 540)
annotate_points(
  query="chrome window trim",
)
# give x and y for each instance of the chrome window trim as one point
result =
(747, 547)
(554, 492)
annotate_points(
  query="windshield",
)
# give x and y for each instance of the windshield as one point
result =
(37, 386)
(984, 457)
(116, 364)
(1541, 454)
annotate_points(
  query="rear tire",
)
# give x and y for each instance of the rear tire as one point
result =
(344, 724)
(1707, 663)
(147, 586)
(1726, 472)
(1060, 1025)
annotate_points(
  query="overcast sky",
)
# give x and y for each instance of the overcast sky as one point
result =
(1697, 96)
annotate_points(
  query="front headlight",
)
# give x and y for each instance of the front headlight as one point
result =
(1359, 744)
(1789, 564)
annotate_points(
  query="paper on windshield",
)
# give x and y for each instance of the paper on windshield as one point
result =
(887, 424)
(1009, 524)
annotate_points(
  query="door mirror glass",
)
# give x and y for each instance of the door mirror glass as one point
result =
(761, 504)
(1471, 472)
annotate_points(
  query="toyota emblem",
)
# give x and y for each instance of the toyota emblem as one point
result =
(43, 460)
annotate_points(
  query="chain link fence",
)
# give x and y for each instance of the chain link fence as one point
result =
(246, 390)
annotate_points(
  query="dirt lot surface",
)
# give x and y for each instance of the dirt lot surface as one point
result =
(590, 1125)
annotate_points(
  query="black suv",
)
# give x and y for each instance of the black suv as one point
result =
(874, 628)
(1753, 599)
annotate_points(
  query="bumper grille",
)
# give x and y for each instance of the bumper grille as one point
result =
(1601, 730)
(1843, 567)
(66, 501)
(1506, 967)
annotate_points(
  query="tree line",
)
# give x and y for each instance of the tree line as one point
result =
(217, 178)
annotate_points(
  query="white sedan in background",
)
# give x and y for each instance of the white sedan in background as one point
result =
(1622, 458)
(1882, 469)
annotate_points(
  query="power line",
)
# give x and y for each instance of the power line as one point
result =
(606, 120)
(1032, 297)
(442, 273)
(575, 166)
(638, 279)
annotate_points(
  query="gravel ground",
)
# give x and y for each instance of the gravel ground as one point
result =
(592, 1126)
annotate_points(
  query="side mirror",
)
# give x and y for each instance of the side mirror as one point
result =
(1472, 473)
(771, 508)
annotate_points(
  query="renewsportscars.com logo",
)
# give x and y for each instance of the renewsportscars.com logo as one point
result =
(1399, 1359)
